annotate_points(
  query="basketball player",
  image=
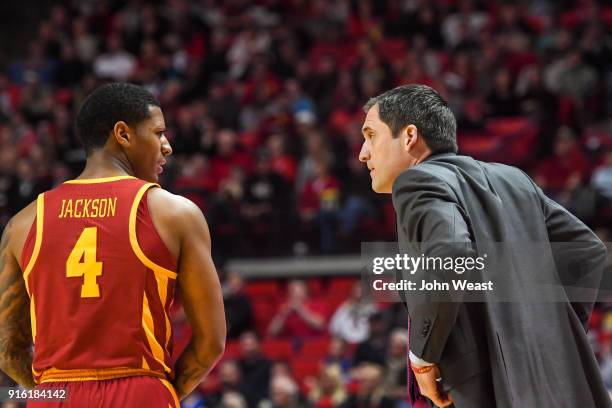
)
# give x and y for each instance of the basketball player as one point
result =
(88, 271)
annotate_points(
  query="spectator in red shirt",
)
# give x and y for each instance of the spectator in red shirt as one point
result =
(564, 176)
(566, 168)
(282, 162)
(300, 316)
(228, 155)
(319, 203)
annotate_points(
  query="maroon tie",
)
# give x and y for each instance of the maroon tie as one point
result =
(414, 394)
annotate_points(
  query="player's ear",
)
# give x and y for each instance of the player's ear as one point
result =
(410, 136)
(122, 133)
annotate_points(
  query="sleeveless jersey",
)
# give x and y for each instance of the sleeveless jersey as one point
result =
(101, 282)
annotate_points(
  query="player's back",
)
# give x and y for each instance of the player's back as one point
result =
(101, 282)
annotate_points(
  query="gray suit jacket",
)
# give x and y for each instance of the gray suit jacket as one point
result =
(536, 352)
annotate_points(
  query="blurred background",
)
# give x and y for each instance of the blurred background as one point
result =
(263, 103)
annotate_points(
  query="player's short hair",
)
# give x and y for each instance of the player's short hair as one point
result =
(107, 105)
(423, 107)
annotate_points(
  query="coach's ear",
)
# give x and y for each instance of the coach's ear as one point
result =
(122, 134)
(410, 137)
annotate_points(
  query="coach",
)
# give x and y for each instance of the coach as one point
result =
(483, 354)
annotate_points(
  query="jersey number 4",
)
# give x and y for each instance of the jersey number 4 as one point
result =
(82, 262)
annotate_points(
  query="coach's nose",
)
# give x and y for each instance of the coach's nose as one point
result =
(364, 154)
(166, 149)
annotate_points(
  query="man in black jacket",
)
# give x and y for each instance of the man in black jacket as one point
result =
(524, 352)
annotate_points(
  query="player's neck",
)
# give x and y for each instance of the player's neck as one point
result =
(102, 164)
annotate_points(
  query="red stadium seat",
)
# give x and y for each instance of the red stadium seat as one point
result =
(305, 368)
(277, 349)
(264, 289)
(341, 287)
(333, 302)
(232, 350)
(263, 311)
(503, 126)
(481, 146)
(506, 140)
(315, 288)
(338, 291)
(315, 349)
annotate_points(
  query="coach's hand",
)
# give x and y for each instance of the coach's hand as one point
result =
(426, 378)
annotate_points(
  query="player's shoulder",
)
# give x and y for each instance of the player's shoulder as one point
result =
(172, 207)
(172, 203)
(18, 227)
(25, 217)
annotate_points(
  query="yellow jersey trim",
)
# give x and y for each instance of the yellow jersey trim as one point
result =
(161, 277)
(40, 213)
(145, 365)
(162, 289)
(149, 329)
(98, 180)
(36, 374)
(33, 318)
(157, 269)
(55, 374)
(170, 388)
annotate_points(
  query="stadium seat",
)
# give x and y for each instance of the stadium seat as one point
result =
(265, 289)
(232, 350)
(341, 286)
(508, 140)
(315, 288)
(507, 125)
(263, 311)
(478, 145)
(338, 291)
(277, 349)
(302, 369)
(315, 349)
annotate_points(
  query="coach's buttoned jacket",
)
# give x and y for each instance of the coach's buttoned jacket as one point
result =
(537, 353)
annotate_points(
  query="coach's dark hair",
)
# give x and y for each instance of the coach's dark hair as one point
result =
(108, 105)
(423, 107)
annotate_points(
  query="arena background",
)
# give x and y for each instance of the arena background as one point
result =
(263, 101)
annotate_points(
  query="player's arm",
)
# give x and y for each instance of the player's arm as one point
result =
(15, 329)
(201, 296)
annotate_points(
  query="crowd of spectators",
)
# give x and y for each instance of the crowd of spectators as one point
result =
(263, 105)
(318, 349)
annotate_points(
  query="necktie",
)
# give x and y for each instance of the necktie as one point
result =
(414, 394)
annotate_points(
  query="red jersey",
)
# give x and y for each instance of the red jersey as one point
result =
(100, 281)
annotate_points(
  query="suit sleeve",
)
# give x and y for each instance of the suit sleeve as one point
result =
(579, 254)
(431, 219)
